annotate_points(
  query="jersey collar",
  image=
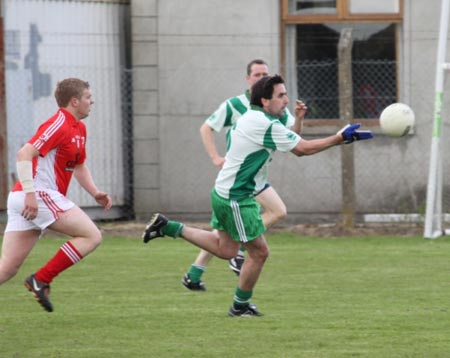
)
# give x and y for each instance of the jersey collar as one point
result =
(70, 117)
(259, 109)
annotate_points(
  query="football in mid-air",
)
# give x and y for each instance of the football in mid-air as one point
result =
(396, 120)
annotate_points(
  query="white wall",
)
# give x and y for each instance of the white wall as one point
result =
(76, 39)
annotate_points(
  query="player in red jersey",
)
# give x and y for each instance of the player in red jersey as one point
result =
(45, 166)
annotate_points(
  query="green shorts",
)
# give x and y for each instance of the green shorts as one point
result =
(240, 219)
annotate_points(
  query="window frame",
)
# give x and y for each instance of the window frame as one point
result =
(343, 14)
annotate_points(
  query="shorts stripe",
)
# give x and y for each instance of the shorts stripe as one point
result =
(71, 253)
(50, 203)
(238, 220)
(241, 219)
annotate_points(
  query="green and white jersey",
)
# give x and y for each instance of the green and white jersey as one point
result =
(233, 108)
(252, 140)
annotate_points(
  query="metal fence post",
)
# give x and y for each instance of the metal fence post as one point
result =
(3, 131)
(346, 115)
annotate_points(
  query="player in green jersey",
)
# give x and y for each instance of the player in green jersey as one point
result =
(273, 206)
(236, 213)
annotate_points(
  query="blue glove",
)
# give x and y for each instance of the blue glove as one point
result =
(350, 134)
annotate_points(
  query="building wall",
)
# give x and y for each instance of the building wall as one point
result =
(187, 59)
(190, 56)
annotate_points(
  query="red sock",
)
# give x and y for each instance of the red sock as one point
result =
(66, 256)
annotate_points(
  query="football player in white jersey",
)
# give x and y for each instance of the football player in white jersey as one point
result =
(273, 206)
(236, 213)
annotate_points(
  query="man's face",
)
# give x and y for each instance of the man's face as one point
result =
(83, 105)
(277, 104)
(257, 72)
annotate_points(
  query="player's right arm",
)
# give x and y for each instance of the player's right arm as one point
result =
(347, 135)
(313, 146)
(24, 166)
(208, 139)
(222, 117)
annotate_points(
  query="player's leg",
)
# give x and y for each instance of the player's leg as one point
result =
(15, 248)
(258, 252)
(85, 238)
(273, 206)
(192, 280)
(19, 238)
(203, 258)
(217, 242)
(274, 210)
(247, 228)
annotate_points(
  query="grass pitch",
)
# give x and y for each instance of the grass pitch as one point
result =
(346, 297)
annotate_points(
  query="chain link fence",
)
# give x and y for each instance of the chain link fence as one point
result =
(391, 177)
(390, 174)
(374, 87)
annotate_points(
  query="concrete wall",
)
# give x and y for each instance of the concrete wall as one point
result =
(144, 33)
(188, 56)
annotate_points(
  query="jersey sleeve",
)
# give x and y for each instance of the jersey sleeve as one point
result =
(49, 135)
(222, 117)
(278, 137)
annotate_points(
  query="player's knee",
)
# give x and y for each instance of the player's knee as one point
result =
(227, 253)
(281, 213)
(261, 254)
(96, 238)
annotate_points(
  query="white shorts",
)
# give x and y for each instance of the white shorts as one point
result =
(50, 203)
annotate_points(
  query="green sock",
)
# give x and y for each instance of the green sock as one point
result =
(173, 228)
(241, 298)
(241, 250)
(196, 272)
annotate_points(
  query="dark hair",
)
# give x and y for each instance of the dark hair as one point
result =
(264, 89)
(254, 62)
(69, 88)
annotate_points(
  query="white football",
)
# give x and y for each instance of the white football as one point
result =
(396, 120)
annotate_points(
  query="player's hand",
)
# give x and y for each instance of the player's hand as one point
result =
(30, 209)
(349, 133)
(219, 162)
(300, 109)
(103, 199)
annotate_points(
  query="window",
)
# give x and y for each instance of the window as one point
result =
(373, 68)
(309, 53)
(312, 7)
(374, 7)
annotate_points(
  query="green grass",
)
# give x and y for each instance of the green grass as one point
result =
(348, 297)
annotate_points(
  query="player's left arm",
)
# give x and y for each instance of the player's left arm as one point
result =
(83, 176)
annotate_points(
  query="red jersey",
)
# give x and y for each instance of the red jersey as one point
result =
(61, 144)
